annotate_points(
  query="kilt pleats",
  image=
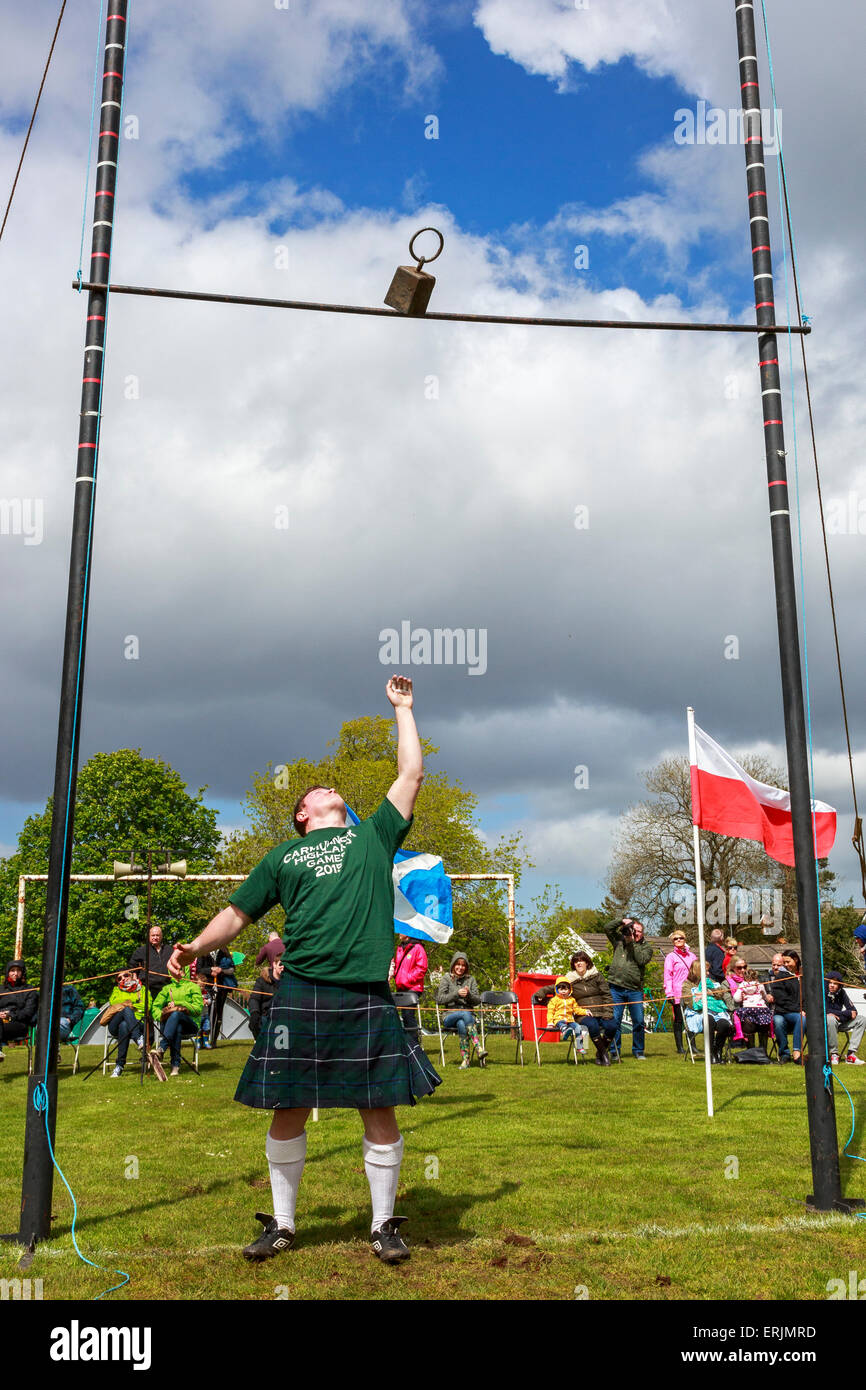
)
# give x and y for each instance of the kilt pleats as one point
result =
(334, 1046)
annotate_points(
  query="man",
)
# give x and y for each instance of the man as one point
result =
(783, 997)
(715, 956)
(841, 1015)
(272, 949)
(152, 960)
(631, 956)
(333, 1037)
(860, 944)
(71, 1011)
(18, 1005)
(262, 996)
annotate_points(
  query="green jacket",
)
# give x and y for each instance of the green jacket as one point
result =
(630, 959)
(183, 992)
(131, 999)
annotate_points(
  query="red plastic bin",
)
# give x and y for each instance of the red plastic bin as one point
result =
(525, 985)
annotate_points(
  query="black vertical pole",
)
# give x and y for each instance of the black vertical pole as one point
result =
(38, 1179)
(823, 1141)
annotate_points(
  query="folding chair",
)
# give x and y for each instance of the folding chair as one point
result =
(495, 999)
(406, 1001)
(443, 1032)
(549, 1028)
(191, 1038)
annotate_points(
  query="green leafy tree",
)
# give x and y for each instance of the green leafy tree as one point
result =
(362, 763)
(124, 803)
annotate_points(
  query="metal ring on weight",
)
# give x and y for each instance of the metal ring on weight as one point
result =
(425, 260)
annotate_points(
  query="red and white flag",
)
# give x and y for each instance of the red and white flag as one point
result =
(727, 800)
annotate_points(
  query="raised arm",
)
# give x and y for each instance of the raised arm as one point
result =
(219, 932)
(403, 793)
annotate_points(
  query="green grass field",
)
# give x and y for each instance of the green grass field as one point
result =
(556, 1183)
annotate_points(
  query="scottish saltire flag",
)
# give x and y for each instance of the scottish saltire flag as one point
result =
(422, 894)
(422, 897)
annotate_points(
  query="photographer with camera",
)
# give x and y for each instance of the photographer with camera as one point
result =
(631, 956)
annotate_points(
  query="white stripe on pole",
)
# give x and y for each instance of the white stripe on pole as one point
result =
(699, 895)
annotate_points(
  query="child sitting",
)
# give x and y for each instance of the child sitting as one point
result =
(718, 998)
(753, 1012)
(563, 1013)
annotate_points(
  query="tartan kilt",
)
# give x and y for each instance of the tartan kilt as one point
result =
(334, 1046)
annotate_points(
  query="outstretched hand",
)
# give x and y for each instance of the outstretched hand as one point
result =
(399, 692)
(181, 957)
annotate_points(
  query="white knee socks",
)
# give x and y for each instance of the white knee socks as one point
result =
(286, 1164)
(382, 1162)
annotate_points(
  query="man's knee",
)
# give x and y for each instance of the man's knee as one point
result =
(380, 1125)
(289, 1124)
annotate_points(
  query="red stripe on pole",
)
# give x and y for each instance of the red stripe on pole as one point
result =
(90, 378)
(105, 195)
(772, 422)
(96, 318)
(761, 193)
(753, 140)
(781, 483)
(102, 254)
(109, 132)
(743, 85)
(121, 17)
(87, 446)
(760, 248)
(765, 304)
(112, 74)
(769, 362)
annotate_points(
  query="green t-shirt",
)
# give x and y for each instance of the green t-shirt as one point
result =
(337, 891)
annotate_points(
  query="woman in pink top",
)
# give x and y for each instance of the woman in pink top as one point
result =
(407, 972)
(678, 963)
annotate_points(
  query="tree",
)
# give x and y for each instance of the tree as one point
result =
(362, 764)
(652, 869)
(124, 802)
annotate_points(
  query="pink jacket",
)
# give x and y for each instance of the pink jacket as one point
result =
(409, 967)
(676, 971)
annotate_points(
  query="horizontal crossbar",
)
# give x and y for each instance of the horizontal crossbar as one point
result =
(208, 298)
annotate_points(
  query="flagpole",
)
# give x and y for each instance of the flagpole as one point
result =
(823, 1140)
(699, 891)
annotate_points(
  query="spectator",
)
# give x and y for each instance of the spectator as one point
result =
(592, 992)
(732, 946)
(458, 991)
(262, 995)
(715, 956)
(178, 1007)
(718, 1011)
(841, 1014)
(860, 944)
(563, 1013)
(753, 1009)
(217, 972)
(631, 956)
(71, 1011)
(678, 963)
(785, 998)
(406, 972)
(152, 961)
(734, 977)
(123, 1016)
(18, 1004)
(272, 949)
